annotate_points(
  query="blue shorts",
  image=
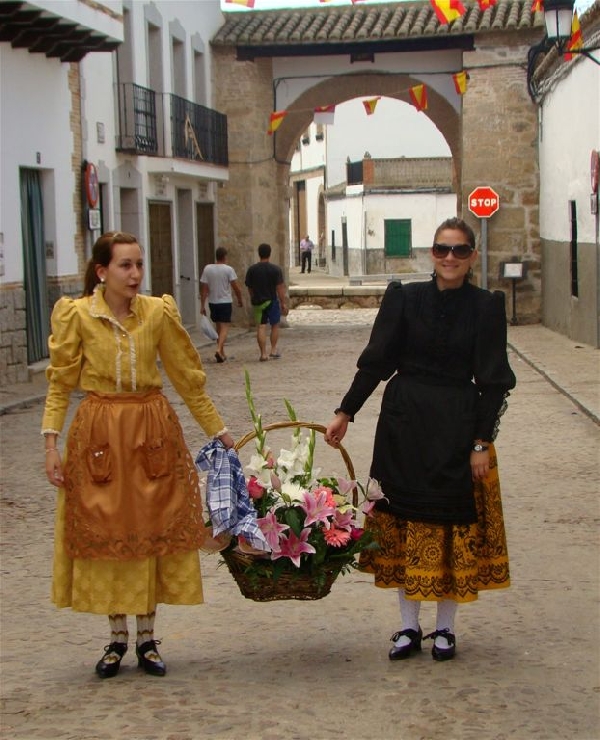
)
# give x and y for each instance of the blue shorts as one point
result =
(220, 312)
(268, 314)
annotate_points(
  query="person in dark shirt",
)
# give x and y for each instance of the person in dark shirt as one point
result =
(265, 284)
(440, 526)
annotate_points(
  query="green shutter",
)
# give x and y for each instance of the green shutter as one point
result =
(398, 242)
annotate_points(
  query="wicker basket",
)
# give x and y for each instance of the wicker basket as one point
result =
(288, 585)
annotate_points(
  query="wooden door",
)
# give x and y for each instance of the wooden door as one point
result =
(206, 234)
(161, 248)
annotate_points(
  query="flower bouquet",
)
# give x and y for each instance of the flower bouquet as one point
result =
(309, 520)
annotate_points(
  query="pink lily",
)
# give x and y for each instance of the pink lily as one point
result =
(346, 486)
(292, 547)
(275, 481)
(374, 492)
(271, 529)
(343, 520)
(316, 507)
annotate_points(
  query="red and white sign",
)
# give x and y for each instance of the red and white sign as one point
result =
(484, 201)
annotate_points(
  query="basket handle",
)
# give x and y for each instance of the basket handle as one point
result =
(305, 425)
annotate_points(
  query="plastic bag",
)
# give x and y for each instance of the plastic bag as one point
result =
(207, 327)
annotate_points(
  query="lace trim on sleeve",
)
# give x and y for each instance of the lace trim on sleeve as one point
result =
(49, 431)
(501, 412)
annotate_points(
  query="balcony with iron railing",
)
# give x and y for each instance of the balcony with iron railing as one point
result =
(166, 125)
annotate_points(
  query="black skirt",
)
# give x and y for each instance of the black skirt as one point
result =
(422, 450)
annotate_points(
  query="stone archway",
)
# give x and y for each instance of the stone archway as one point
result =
(492, 136)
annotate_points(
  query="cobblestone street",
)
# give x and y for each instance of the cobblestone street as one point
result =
(527, 657)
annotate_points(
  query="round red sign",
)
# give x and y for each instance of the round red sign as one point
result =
(484, 201)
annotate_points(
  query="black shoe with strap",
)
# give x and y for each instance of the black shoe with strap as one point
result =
(405, 651)
(440, 653)
(149, 658)
(109, 664)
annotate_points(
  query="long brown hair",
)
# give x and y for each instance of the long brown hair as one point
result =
(102, 253)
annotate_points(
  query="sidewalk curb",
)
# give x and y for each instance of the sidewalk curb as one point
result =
(588, 412)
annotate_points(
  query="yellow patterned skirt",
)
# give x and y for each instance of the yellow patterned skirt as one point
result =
(122, 586)
(130, 541)
(432, 562)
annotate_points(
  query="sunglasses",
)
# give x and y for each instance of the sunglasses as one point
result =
(460, 251)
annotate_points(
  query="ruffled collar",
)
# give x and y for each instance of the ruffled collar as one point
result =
(99, 308)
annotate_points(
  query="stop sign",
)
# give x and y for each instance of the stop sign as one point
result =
(484, 201)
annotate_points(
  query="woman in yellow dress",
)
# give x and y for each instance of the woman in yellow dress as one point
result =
(129, 514)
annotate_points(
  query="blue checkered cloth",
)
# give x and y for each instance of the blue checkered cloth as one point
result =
(227, 498)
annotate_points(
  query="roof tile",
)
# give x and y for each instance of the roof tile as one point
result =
(355, 24)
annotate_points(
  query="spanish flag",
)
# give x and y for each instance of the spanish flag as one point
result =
(460, 82)
(418, 96)
(276, 120)
(576, 40)
(371, 104)
(324, 115)
(537, 6)
(245, 3)
(448, 10)
(485, 4)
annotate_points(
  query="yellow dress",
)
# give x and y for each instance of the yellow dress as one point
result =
(91, 350)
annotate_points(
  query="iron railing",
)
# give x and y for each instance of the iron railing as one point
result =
(195, 132)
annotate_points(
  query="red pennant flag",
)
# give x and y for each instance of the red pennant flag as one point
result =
(576, 40)
(537, 6)
(276, 120)
(460, 82)
(485, 4)
(371, 104)
(418, 96)
(324, 115)
(448, 10)
(246, 3)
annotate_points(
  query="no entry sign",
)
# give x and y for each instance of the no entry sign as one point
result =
(484, 201)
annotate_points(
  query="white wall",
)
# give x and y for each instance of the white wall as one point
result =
(570, 126)
(34, 115)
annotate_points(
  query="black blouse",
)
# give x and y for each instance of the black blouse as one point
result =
(443, 337)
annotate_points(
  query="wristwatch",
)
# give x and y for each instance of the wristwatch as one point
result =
(478, 447)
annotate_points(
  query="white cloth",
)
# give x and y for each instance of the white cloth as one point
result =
(218, 277)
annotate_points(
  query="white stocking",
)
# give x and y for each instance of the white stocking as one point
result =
(409, 613)
(446, 611)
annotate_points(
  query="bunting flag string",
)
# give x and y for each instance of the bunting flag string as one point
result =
(371, 104)
(276, 120)
(325, 114)
(418, 96)
(576, 40)
(460, 82)
(448, 10)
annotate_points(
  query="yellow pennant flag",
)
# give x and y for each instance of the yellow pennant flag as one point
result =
(245, 3)
(276, 120)
(576, 40)
(371, 104)
(418, 96)
(448, 10)
(485, 4)
(537, 6)
(460, 82)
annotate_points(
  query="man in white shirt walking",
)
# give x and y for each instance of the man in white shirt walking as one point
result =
(306, 248)
(216, 283)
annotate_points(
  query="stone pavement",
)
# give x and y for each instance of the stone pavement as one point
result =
(528, 657)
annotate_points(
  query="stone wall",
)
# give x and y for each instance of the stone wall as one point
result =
(500, 133)
(13, 336)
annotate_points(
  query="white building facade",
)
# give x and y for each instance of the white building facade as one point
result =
(125, 139)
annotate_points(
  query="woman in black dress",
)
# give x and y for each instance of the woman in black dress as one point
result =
(440, 528)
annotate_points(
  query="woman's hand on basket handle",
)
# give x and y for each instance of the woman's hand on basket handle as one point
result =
(227, 440)
(336, 429)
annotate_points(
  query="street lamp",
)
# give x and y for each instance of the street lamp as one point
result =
(558, 18)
